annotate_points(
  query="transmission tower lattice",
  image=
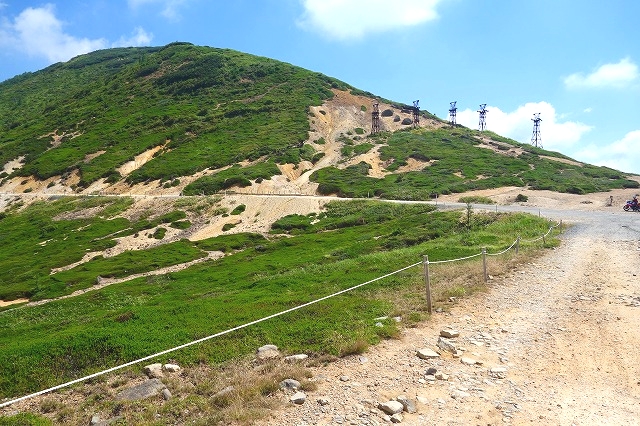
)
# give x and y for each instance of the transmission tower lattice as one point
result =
(375, 119)
(482, 124)
(536, 140)
(452, 113)
(416, 113)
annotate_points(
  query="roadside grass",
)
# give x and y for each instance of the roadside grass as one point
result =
(476, 199)
(351, 243)
(248, 389)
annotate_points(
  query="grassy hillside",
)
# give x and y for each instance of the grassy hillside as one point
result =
(458, 160)
(207, 107)
(240, 116)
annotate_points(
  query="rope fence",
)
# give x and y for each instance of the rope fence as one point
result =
(425, 262)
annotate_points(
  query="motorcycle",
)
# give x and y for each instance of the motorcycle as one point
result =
(630, 207)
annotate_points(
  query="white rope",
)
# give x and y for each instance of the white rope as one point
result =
(505, 250)
(541, 237)
(455, 260)
(146, 358)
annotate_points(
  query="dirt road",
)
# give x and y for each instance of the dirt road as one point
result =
(561, 336)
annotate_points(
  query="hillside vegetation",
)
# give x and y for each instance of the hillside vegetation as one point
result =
(200, 120)
(206, 108)
(303, 258)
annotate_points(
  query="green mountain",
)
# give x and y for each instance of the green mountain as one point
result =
(199, 120)
(95, 282)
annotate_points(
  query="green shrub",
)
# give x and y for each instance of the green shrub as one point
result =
(521, 198)
(238, 209)
(159, 233)
(181, 224)
(228, 226)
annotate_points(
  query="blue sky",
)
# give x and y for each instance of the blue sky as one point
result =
(573, 61)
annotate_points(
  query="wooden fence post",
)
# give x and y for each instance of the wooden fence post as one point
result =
(484, 263)
(427, 281)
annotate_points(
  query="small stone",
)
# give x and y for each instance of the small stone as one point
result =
(166, 394)
(224, 392)
(154, 371)
(267, 352)
(296, 358)
(447, 345)
(171, 368)
(396, 418)
(449, 333)
(431, 371)
(458, 394)
(408, 405)
(427, 353)
(379, 324)
(391, 407)
(141, 391)
(298, 398)
(344, 378)
(323, 401)
(290, 384)
(441, 376)
(498, 372)
(95, 419)
(468, 361)
(422, 400)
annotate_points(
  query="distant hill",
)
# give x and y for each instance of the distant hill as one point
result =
(199, 120)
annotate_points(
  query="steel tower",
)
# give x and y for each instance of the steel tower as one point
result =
(482, 124)
(536, 140)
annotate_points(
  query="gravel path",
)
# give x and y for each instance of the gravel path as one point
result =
(560, 336)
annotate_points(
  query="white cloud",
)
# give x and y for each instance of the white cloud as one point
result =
(556, 135)
(353, 19)
(168, 8)
(618, 75)
(139, 38)
(39, 33)
(620, 155)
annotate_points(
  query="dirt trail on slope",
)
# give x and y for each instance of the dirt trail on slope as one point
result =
(564, 329)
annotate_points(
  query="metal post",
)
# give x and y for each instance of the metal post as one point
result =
(484, 263)
(427, 281)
